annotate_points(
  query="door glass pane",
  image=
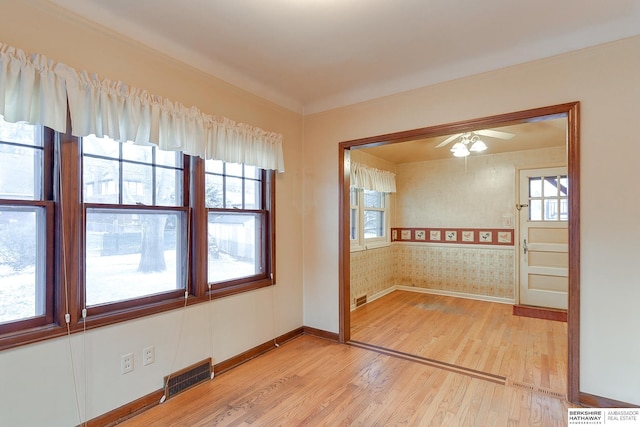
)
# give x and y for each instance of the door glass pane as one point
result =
(535, 187)
(535, 210)
(131, 254)
(564, 186)
(234, 246)
(550, 186)
(22, 255)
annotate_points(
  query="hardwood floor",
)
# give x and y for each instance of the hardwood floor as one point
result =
(315, 382)
(477, 335)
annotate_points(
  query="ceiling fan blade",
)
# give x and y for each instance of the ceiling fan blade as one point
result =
(448, 140)
(494, 133)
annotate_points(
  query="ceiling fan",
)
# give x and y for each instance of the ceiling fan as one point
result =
(471, 142)
(469, 135)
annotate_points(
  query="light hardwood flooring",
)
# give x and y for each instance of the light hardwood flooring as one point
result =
(314, 382)
(478, 335)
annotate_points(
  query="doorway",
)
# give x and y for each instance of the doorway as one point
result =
(571, 112)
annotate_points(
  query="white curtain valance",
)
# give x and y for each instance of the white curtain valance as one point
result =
(35, 90)
(32, 89)
(367, 178)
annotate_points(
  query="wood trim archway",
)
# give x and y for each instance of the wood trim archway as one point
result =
(573, 160)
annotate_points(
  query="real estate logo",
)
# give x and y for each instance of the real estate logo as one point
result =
(599, 417)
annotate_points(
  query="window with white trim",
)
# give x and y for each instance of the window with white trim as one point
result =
(369, 218)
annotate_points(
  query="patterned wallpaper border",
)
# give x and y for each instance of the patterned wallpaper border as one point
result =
(470, 236)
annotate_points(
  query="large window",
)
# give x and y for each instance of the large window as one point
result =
(25, 227)
(135, 233)
(121, 230)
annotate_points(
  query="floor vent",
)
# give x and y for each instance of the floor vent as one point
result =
(187, 378)
(536, 389)
(361, 300)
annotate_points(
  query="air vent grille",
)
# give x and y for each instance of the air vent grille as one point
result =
(187, 378)
(361, 300)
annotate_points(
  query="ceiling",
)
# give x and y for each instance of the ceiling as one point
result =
(526, 136)
(314, 55)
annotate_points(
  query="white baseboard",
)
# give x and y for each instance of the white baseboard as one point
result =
(487, 298)
(456, 294)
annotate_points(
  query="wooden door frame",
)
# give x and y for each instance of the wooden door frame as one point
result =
(572, 111)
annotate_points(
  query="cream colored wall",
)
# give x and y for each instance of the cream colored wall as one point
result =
(448, 193)
(606, 80)
(41, 373)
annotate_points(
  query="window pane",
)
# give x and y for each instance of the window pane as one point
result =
(551, 209)
(214, 197)
(214, 166)
(564, 186)
(252, 193)
(564, 209)
(251, 172)
(535, 210)
(550, 186)
(168, 186)
(104, 147)
(137, 153)
(354, 224)
(373, 199)
(373, 224)
(131, 254)
(234, 169)
(19, 133)
(20, 169)
(137, 184)
(22, 255)
(233, 193)
(353, 197)
(535, 187)
(100, 180)
(234, 246)
(169, 158)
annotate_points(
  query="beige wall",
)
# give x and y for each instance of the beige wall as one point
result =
(448, 193)
(606, 80)
(42, 372)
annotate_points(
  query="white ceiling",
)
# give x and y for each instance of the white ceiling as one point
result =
(314, 55)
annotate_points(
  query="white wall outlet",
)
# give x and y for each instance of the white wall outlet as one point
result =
(126, 363)
(148, 355)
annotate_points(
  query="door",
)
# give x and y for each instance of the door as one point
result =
(544, 237)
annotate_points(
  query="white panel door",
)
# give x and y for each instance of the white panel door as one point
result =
(544, 237)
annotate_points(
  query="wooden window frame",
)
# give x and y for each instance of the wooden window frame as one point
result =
(65, 213)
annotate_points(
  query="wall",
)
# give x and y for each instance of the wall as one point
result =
(41, 374)
(606, 81)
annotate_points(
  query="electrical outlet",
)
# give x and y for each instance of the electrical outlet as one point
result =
(148, 355)
(126, 363)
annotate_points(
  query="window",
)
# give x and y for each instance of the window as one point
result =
(126, 242)
(237, 203)
(548, 198)
(369, 218)
(26, 214)
(135, 221)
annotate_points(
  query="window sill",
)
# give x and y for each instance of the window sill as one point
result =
(373, 245)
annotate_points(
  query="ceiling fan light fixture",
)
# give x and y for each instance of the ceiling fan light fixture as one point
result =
(478, 146)
(463, 151)
(458, 146)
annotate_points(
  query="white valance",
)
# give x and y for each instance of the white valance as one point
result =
(35, 90)
(32, 89)
(367, 178)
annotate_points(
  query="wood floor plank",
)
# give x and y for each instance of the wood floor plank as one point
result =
(311, 381)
